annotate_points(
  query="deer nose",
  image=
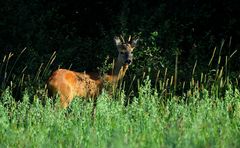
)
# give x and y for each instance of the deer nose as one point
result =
(128, 62)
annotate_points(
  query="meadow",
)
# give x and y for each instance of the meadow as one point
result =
(181, 90)
(143, 112)
(202, 118)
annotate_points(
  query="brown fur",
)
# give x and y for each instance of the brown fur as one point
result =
(69, 84)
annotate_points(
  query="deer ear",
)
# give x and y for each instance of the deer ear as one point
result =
(134, 42)
(117, 41)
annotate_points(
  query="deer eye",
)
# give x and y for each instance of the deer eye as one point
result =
(122, 52)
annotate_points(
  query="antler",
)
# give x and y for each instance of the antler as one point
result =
(129, 38)
(122, 38)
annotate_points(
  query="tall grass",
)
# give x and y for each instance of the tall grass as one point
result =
(205, 114)
(150, 121)
(17, 83)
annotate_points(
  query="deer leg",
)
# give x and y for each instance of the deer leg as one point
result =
(66, 96)
(94, 108)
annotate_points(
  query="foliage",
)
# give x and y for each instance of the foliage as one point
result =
(82, 33)
(181, 90)
(149, 121)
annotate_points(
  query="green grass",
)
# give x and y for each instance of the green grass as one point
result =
(151, 120)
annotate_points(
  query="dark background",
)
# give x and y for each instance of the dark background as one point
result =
(81, 32)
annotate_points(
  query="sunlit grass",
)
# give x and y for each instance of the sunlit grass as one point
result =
(201, 112)
(149, 121)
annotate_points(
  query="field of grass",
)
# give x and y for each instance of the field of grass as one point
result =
(202, 119)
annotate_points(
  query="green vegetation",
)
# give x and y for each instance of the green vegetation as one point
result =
(182, 89)
(151, 120)
(82, 33)
(154, 109)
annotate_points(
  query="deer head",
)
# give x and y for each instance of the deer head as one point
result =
(125, 49)
(125, 55)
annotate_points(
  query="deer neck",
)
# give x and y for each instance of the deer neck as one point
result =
(119, 70)
(118, 73)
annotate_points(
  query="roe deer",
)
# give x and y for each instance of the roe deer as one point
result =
(69, 84)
